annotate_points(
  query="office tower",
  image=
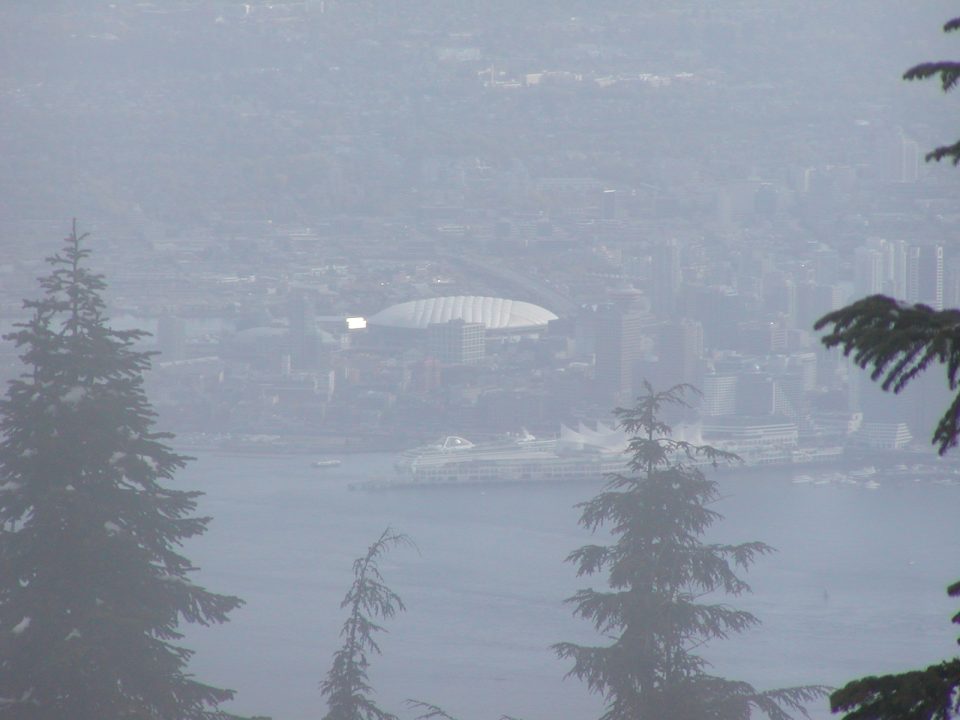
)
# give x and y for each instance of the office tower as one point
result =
(719, 395)
(909, 160)
(867, 272)
(780, 296)
(951, 283)
(826, 264)
(925, 275)
(680, 352)
(931, 276)
(793, 383)
(894, 265)
(761, 337)
(303, 330)
(814, 301)
(665, 279)
(756, 394)
(805, 364)
(719, 310)
(622, 338)
(456, 342)
(887, 256)
(900, 268)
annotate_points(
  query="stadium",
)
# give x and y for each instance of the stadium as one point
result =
(499, 316)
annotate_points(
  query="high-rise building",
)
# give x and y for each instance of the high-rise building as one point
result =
(887, 258)
(780, 296)
(951, 283)
(665, 277)
(622, 338)
(719, 310)
(826, 264)
(456, 342)
(719, 395)
(680, 352)
(909, 160)
(790, 398)
(925, 275)
(756, 394)
(867, 271)
(900, 268)
(890, 276)
(303, 330)
(815, 300)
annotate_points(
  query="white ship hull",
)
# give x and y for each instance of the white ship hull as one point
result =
(456, 461)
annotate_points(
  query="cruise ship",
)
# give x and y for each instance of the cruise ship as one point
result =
(572, 455)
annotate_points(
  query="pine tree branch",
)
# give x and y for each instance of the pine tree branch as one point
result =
(346, 686)
(898, 342)
(430, 710)
(930, 694)
(949, 73)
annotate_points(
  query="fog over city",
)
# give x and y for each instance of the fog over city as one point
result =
(489, 281)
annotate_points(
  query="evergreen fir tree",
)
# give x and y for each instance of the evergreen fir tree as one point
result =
(657, 570)
(347, 685)
(898, 342)
(949, 73)
(91, 586)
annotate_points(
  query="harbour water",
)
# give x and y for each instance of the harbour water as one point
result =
(857, 585)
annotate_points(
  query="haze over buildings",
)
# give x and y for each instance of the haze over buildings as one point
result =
(679, 190)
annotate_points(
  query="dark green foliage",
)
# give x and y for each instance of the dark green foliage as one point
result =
(347, 687)
(898, 342)
(91, 586)
(658, 570)
(930, 694)
(949, 73)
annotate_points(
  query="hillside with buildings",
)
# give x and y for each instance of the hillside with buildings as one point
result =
(675, 193)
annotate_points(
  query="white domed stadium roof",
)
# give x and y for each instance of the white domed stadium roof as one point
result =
(492, 313)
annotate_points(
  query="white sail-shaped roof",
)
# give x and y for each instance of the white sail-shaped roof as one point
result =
(604, 438)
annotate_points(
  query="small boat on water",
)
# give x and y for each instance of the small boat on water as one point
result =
(326, 463)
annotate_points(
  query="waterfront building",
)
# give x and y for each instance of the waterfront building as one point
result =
(884, 435)
(719, 395)
(759, 441)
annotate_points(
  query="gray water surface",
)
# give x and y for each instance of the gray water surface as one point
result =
(857, 587)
